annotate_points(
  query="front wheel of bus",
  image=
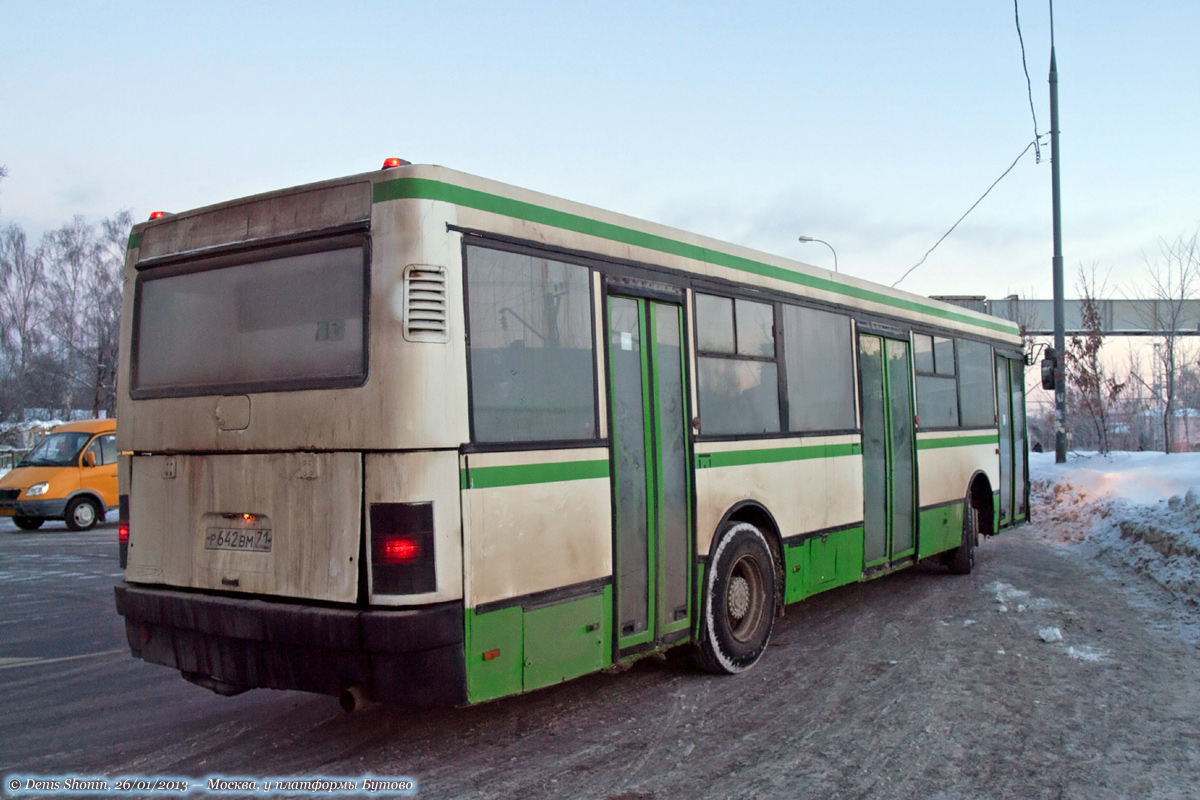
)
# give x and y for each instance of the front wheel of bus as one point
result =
(739, 601)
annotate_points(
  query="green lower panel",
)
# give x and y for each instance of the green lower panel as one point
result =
(940, 529)
(823, 562)
(486, 633)
(514, 650)
(567, 640)
(795, 563)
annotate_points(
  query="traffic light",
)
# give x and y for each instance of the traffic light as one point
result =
(1049, 368)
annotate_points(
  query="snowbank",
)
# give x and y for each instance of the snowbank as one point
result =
(1142, 507)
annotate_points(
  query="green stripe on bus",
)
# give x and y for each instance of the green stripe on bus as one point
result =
(135, 241)
(522, 474)
(741, 458)
(428, 189)
(957, 441)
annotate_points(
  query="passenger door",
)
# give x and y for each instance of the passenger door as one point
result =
(1010, 416)
(651, 478)
(889, 465)
(101, 478)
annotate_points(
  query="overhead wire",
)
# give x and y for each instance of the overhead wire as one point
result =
(1037, 150)
(1035, 144)
(964, 216)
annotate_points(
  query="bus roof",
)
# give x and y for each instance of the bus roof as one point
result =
(628, 237)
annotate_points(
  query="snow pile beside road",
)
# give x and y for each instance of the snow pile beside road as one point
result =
(1142, 507)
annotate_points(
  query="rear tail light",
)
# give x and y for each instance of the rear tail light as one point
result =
(402, 548)
(123, 527)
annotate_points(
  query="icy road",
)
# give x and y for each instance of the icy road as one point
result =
(1066, 665)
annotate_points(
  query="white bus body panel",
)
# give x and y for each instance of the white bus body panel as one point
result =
(943, 472)
(802, 495)
(527, 538)
(428, 477)
(311, 502)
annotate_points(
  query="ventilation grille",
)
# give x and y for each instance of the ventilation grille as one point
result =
(425, 318)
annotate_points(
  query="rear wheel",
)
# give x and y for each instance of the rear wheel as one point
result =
(81, 514)
(28, 523)
(962, 560)
(739, 601)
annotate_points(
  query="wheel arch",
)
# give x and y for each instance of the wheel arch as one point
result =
(757, 515)
(101, 507)
(979, 490)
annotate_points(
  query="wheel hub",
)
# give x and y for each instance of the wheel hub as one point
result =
(739, 597)
(84, 514)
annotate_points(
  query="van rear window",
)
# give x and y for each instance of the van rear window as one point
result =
(286, 318)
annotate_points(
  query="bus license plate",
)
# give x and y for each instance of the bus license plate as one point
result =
(253, 540)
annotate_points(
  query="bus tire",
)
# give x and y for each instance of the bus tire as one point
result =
(739, 601)
(962, 560)
(81, 514)
(28, 523)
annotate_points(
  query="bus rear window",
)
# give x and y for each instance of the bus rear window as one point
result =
(265, 321)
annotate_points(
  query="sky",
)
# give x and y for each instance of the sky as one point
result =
(871, 124)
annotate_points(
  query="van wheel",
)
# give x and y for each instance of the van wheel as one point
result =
(81, 514)
(28, 523)
(739, 601)
(962, 560)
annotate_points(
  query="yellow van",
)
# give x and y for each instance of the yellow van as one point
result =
(70, 475)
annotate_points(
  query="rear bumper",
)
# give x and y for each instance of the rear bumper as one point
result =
(412, 656)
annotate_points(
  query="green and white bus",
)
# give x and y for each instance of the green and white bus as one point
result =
(416, 436)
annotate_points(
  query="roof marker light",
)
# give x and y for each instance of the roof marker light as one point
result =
(391, 163)
(157, 214)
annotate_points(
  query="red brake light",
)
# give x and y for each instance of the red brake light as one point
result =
(157, 214)
(390, 163)
(123, 533)
(400, 550)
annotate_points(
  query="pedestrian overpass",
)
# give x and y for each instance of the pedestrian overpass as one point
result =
(1142, 317)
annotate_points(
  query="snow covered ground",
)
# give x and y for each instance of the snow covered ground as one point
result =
(1139, 511)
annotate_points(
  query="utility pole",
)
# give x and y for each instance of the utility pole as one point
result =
(1060, 383)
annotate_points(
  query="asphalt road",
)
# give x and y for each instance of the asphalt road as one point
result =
(921, 684)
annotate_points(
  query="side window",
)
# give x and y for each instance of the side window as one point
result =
(108, 449)
(975, 383)
(937, 389)
(819, 356)
(530, 346)
(103, 449)
(736, 368)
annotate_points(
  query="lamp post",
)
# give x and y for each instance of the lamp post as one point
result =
(827, 244)
(1056, 264)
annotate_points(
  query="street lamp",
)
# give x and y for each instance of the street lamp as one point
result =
(827, 244)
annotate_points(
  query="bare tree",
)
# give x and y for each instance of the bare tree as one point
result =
(1094, 389)
(1171, 280)
(22, 313)
(71, 255)
(103, 320)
